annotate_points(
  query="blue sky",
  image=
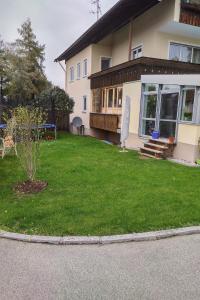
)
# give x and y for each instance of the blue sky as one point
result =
(56, 24)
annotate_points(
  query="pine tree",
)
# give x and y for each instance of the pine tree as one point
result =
(26, 74)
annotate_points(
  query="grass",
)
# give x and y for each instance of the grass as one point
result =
(95, 190)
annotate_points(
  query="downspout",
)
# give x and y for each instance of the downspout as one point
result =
(130, 39)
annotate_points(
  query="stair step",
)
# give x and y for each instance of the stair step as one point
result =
(152, 150)
(150, 156)
(162, 142)
(156, 145)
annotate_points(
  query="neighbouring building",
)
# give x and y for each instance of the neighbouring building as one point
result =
(148, 50)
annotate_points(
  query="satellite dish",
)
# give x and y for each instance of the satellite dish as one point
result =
(77, 122)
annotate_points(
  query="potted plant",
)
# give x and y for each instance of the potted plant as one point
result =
(171, 139)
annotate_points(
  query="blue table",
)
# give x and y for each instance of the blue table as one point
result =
(3, 126)
(44, 126)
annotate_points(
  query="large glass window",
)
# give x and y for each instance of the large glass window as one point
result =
(184, 53)
(150, 102)
(169, 106)
(163, 106)
(149, 109)
(148, 127)
(188, 96)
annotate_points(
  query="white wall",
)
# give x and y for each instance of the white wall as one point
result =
(79, 88)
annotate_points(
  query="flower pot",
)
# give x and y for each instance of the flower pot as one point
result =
(155, 135)
(171, 139)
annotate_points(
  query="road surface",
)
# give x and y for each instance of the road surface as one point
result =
(165, 269)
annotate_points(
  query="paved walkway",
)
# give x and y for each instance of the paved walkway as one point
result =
(165, 269)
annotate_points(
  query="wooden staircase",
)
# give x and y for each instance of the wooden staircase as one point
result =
(159, 149)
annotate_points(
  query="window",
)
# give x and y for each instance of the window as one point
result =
(78, 71)
(137, 52)
(196, 56)
(110, 98)
(184, 53)
(105, 63)
(84, 103)
(85, 71)
(188, 96)
(71, 71)
(119, 97)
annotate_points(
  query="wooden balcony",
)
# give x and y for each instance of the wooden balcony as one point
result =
(106, 122)
(132, 71)
(190, 13)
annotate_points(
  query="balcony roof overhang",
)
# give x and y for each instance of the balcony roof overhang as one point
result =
(119, 15)
(134, 69)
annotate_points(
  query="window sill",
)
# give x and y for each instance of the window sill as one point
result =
(188, 123)
(84, 111)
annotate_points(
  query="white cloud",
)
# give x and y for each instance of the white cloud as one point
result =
(57, 24)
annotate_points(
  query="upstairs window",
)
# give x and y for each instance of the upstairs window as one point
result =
(184, 53)
(105, 63)
(137, 52)
(85, 68)
(71, 73)
(78, 71)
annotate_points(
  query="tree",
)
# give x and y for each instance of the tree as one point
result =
(54, 100)
(3, 75)
(28, 134)
(26, 70)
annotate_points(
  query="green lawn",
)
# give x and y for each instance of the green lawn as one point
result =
(95, 190)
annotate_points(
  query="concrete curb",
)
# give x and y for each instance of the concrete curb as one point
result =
(101, 240)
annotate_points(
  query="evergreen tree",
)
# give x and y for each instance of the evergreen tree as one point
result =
(26, 70)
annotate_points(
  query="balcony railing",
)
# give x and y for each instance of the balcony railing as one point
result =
(132, 70)
(106, 122)
(190, 12)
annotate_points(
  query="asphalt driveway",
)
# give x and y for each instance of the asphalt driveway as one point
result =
(166, 269)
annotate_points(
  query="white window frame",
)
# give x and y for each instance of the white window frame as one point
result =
(78, 71)
(84, 103)
(159, 92)
(195, 104)
(71, 74)
(105, 57)
(85, 67)
(183, 45)
(136, 49)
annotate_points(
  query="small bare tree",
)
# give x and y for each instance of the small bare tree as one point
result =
(28, 136)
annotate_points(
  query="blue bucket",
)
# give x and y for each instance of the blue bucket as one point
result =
(155, 135)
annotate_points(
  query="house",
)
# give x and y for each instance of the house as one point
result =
(148, 50)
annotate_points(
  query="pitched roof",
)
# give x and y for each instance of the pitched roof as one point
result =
(118, 16)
